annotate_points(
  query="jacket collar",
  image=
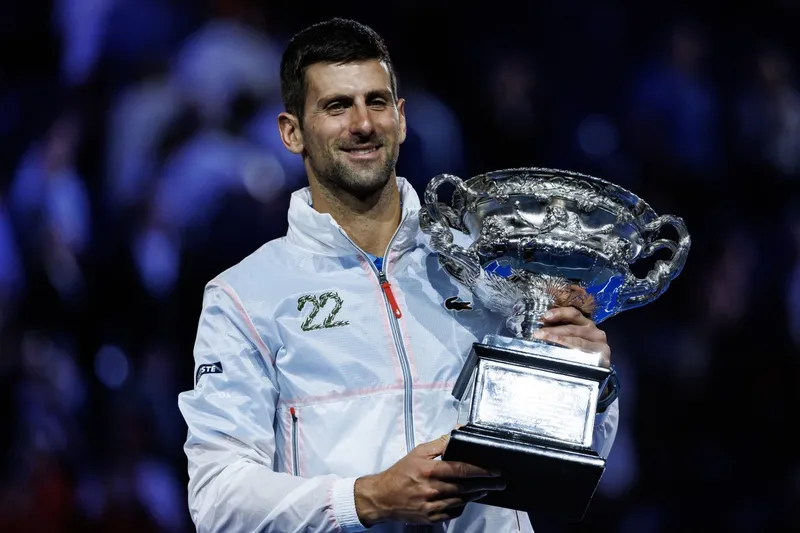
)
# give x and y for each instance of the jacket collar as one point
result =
(320, 233)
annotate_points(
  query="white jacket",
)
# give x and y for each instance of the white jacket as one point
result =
(309, 375)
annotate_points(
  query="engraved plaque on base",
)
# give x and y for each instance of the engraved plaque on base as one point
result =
(533, 237)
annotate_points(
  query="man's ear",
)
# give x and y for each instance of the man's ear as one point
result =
(401, 118)
(291, 135)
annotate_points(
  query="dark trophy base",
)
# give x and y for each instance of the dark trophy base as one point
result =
(547, 477)
(541, 479)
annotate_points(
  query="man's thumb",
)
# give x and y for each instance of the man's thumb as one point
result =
(434, 448)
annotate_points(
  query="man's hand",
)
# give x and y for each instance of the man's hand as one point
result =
(421, 490)
(569, 327)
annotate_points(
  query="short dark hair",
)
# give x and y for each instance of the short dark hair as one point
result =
(334, 41)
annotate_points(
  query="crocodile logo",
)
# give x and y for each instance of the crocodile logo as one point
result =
(454, 303)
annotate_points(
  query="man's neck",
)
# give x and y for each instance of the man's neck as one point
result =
(370, 222)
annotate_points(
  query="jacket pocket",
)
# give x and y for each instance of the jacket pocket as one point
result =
(295, 461)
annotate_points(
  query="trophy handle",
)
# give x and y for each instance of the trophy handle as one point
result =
(437, 219)
(640, 291)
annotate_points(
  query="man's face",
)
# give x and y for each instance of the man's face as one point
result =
(352, 127)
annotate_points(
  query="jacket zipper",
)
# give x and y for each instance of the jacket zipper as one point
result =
(295, 467)
(393, 310)
(394, 314)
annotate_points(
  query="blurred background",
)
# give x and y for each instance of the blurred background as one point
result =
(139, 157)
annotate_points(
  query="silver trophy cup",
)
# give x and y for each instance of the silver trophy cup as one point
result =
(529, 235)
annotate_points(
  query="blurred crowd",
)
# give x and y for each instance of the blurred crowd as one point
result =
(139, 157)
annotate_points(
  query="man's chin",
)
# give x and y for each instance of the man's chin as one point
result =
(365, 188)
(363, 184)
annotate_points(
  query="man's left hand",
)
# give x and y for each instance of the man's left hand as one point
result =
(568, 327)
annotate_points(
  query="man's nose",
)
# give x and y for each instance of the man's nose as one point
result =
(361, 123)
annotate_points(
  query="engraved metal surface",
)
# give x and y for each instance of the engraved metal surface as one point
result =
(533, 229)
(534, 402)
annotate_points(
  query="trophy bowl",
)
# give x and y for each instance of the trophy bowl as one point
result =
(523, 240)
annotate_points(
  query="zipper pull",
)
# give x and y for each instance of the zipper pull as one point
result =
(294, 415)
(387, 289)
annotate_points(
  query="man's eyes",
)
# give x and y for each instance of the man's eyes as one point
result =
(335, 107)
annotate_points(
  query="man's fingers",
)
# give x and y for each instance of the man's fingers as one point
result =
(434, 448)
(572, 330)
(448, 509)
(447, 489)
(567, 315)
(578, 343)
(458, 470)
(458, 501)
(568, 341)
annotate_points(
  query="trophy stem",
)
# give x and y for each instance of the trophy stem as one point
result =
(529, 325)
(527, 314)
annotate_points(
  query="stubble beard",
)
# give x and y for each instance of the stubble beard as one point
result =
(360, 183)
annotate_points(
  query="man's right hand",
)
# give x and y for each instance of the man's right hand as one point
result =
(419, 489)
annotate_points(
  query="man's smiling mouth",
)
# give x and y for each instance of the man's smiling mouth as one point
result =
(362, 151)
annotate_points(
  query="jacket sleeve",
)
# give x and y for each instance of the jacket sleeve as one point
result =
(230, 413)
(605, 429)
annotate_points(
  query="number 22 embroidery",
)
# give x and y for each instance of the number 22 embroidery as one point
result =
(318, 303)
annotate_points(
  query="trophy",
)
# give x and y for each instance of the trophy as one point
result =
(530, 235)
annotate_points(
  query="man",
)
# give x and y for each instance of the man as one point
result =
(325, 360)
